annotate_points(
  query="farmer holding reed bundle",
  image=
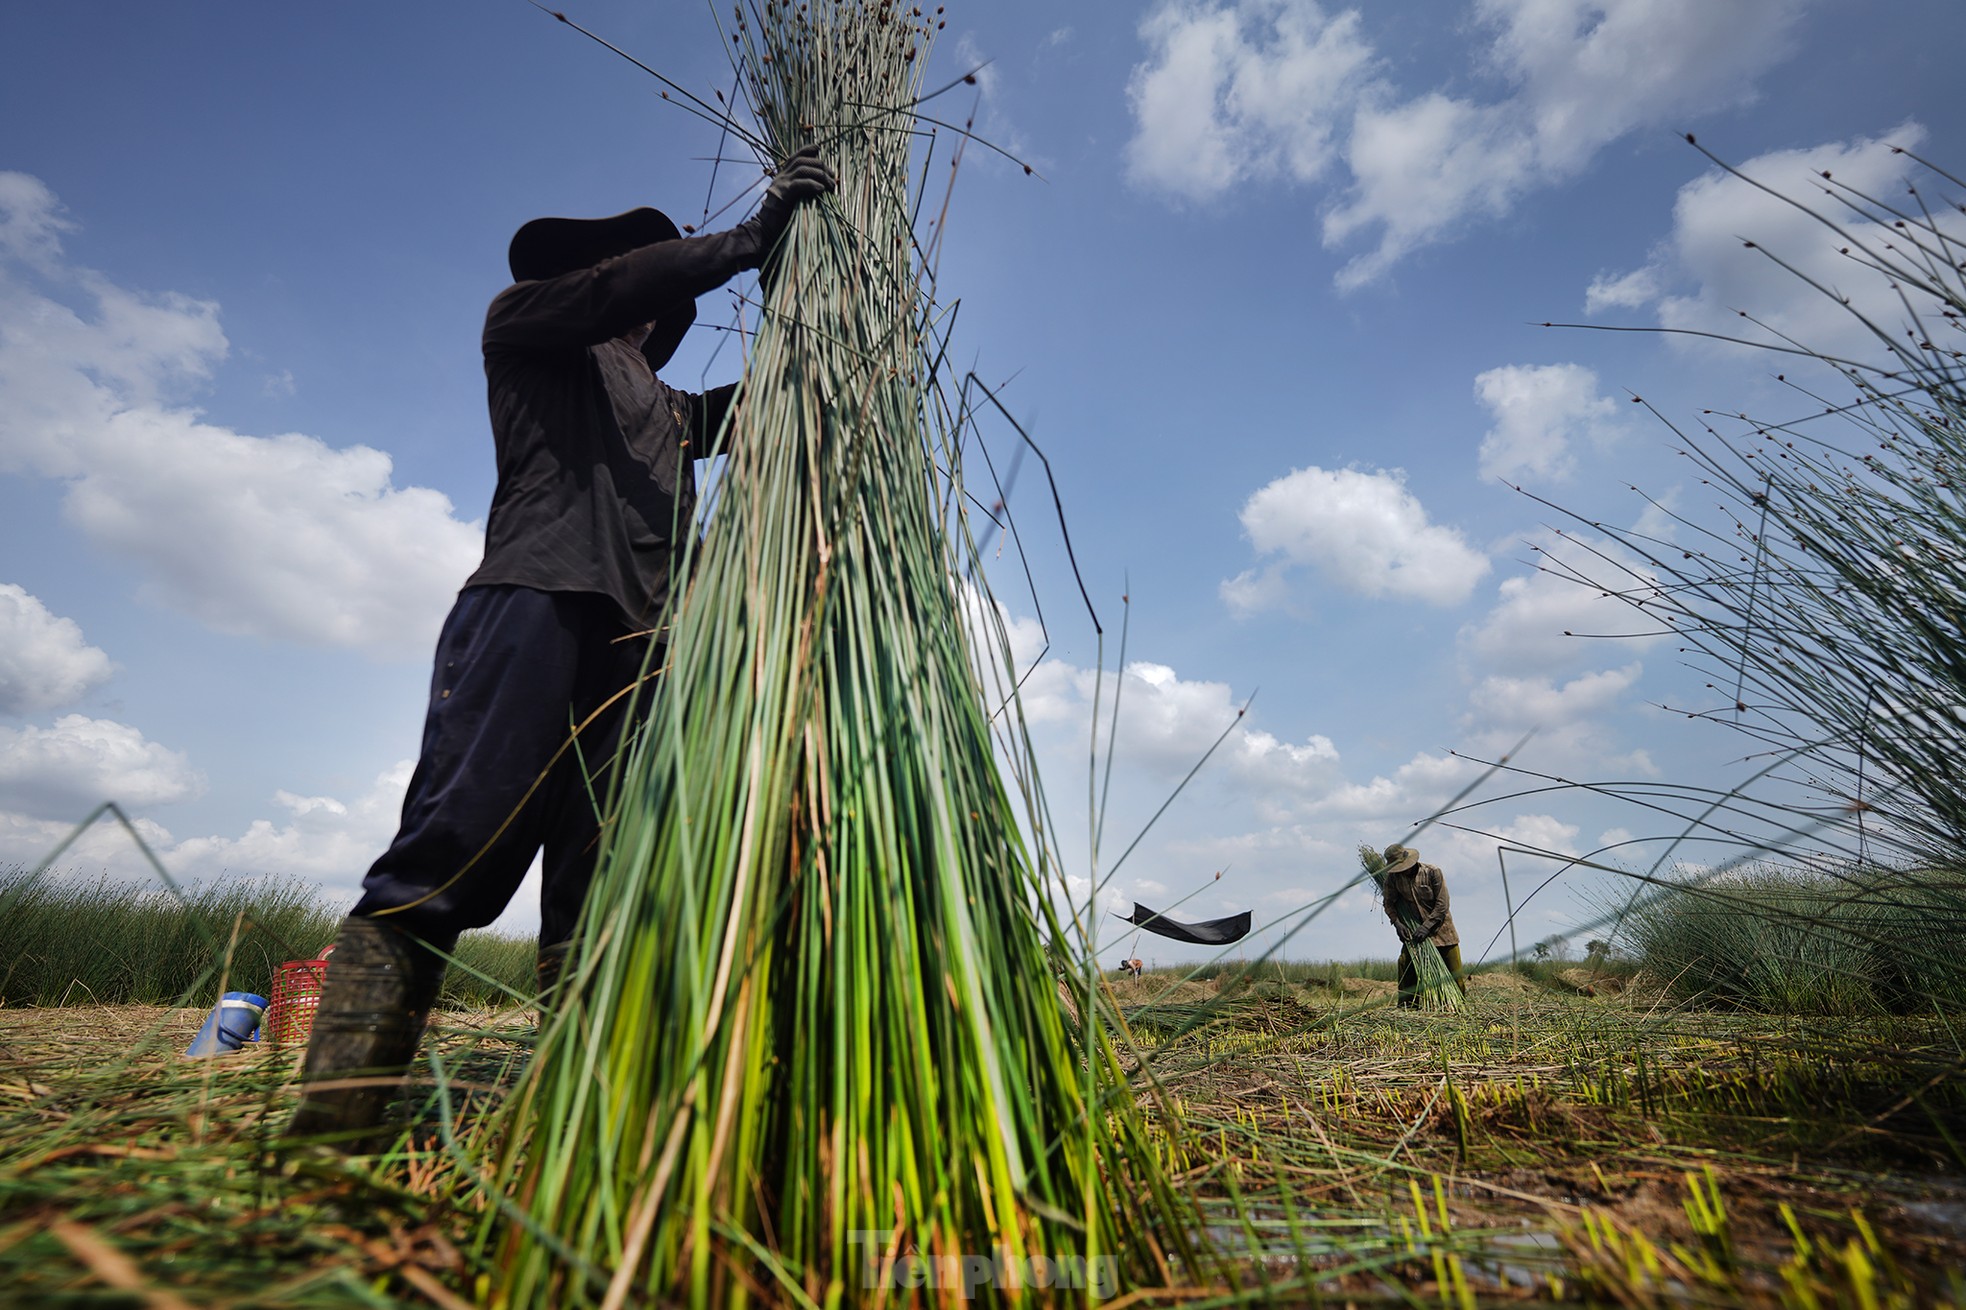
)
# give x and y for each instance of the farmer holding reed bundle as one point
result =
(1415, 899)
(540, 661)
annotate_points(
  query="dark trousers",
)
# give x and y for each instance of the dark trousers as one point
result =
(516, 671)
(1409, 975)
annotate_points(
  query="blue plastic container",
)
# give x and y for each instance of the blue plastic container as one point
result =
(233, 1022)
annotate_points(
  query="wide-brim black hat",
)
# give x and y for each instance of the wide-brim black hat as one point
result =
(550, 247)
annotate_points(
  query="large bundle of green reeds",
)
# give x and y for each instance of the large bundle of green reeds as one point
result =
(1438, 989)
(814, 1048)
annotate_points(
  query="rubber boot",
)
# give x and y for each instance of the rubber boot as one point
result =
(552, 965)
(551, 972)
(377, 994)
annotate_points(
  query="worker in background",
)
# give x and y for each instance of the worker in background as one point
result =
(539, 660)
(1416, 902)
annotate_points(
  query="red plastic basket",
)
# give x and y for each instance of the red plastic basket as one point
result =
(296, 995)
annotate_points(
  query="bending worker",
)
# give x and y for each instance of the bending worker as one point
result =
(1416, 902)
(596, 495)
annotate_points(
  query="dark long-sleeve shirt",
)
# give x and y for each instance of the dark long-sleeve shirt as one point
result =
(1421, 893)
(596, 478)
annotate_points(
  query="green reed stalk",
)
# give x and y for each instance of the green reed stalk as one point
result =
(814, 1023)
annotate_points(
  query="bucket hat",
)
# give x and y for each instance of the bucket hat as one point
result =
(550, 247)
(1400, 858)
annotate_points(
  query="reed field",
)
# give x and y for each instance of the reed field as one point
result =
(1538, 1146)
(835, 1034)
(1793, 941)
(76, 941)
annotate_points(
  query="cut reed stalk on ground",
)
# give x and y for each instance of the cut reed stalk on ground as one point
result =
(815, 1024)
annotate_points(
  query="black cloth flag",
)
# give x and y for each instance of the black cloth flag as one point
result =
(1209, 932)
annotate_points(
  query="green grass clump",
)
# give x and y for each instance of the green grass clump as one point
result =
(1386, 970)
(1798, 941)
(70, 941)
(490, 970)
(104, 942)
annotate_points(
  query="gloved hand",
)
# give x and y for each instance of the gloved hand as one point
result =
(799, 179)
(1405, 933)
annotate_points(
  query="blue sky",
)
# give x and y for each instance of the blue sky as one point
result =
(1267, 304)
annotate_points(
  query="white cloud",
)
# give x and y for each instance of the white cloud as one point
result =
(1419, 167)
(44, 662)
(1254, 590)
(282, 537)
(103, 849)
(1165, 724)
(1537, 663)
(1468, 857)
(1415, 790)
(31, 221)
(65, 374)
(1252, 90)
(1532, 833)
(1571, 722)
(1168, 722)
(1159, 725)
(1278, 815)
(1580, 75)
(1540, 411)
(1542, 832)
(1547, 620)
(321, 840)
(69, 769)
(1538, 701)
(1633, 290)
(992, 118)
(1306, 766)
(970, 57)
(1364, 532)
(1046, 688)
(1589, 71)
(1703, 277)
(1165, 720)
(1255, 90)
